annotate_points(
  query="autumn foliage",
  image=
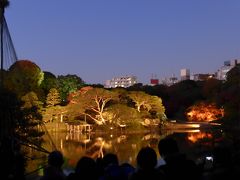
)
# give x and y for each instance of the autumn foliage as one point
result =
(204, 112)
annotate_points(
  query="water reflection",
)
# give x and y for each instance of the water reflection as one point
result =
(126, 146)
(194, 137)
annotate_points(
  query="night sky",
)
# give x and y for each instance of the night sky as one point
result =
(101, 39)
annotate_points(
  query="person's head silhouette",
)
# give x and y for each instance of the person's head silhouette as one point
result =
(167, 146)
(147, 158)
(55, 158)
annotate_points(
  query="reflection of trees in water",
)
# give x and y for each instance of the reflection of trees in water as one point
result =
(194, 137)
(126, 146)
(93, 147)
(97, 148)
(198, 142)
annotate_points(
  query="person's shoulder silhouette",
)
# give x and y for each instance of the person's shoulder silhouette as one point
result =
(54, 168)
(177, 165)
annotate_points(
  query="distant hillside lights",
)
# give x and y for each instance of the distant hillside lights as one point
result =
(122, 81)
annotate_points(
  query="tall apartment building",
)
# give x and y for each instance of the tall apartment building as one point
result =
(123, 81)
(228, 65)
(185, 74)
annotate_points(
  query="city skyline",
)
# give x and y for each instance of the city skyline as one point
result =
(99, 40)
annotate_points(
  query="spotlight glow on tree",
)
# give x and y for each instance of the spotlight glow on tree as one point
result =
(204, 112)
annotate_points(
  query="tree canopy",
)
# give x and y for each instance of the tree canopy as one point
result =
(49, 82)
(24, 76)
(204, 112)
(68, 84)
(93, 102)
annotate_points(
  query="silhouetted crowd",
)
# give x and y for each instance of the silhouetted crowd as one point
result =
(172, 165)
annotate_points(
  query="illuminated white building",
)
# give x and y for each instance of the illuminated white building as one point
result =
(185, 74)
(228, 65)
(123, 81)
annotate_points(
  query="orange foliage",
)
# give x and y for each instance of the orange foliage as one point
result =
(24, 64)
(204, 112)
(77, 93)
(194, 137)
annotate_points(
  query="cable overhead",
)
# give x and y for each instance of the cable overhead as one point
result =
(7, 51)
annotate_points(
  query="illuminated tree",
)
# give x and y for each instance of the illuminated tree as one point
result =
(74, 108)
(24, 76)
(31, 99)
(146, 102)
(52, 110)
(156, 108)
(92, 103)
(122, 94)
(53, 98)
(68, 84)
(49, 82)
(32, 117)
(120, 114)
(204, 112)
(140, 99)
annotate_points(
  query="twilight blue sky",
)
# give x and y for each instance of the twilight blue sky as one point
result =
(101, 39)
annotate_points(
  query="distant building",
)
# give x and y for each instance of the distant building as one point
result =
(123, 81)
(185, 74)
(107, 84)
(154, 82)
(202, 77)
(169, 81)
(228, 65)
(173, 80)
